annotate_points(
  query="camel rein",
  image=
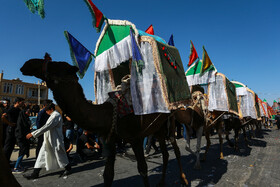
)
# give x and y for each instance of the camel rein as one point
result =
(114, 121)
(216, 119)
(150, 123)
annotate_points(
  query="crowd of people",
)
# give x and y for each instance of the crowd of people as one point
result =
(55, 136)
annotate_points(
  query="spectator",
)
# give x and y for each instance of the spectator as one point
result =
(35, 110)
(22, 129)
(151, 142)
(68, 133)
(12, 115)
(86, 145)
(69, 127)
(5, 105)
(52, 154)
(41, 121)
(179, 129)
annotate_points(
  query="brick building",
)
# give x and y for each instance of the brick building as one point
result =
(10, 89)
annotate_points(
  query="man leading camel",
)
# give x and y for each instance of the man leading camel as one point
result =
(52, 154)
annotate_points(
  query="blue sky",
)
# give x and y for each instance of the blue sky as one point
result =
(242, 37)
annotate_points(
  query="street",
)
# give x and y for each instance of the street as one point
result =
(256, 165)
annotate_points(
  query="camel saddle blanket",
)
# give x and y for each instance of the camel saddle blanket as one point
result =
(123, 107)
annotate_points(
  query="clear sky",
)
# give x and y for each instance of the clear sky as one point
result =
(242, 37)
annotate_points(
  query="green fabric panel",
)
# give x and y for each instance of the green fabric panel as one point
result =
(113, 35)
(175, 79)
(231, 93)
(196, 69)
(120, 71)
(257, 106)
(237, 85)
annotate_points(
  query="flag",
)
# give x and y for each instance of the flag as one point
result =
(97, 15)
(136, 55)
(80, 55)
(171, 41)
(150, 30)
(36, 6)
(206, 62)
(193, 55)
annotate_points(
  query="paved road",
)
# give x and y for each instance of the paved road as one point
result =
(256, 165)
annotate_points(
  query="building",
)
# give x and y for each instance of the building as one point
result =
(10, 89)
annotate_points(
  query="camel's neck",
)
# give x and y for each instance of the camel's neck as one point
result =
(71, 99)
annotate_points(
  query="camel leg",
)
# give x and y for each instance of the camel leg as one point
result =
(165, 156)
(207, 136)
(198, 146)
(236, 137)
(220, 133)
(245, 136)
(228, 140)
(137, 147)
(108, 174)
(188, 140)
(183, 178)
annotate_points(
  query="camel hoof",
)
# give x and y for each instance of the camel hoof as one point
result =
(184, 181)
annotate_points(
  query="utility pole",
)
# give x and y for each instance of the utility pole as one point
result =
(39, 93)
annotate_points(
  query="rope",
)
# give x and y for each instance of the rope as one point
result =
(216, 119)
(151, 123)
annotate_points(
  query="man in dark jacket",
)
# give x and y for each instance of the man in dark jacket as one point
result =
(12, 116)
(22, 129)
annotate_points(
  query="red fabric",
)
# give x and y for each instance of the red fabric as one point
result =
(193, 55)
(150, 30)
(98, 14)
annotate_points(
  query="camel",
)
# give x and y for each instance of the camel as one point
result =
(218, 121)
(193, 117)
(101, 119)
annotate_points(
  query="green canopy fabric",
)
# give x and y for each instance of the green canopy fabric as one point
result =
(195, 77)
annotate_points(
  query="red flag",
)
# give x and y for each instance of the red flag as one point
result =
(150, 30)
(193, 55)
(97, 15)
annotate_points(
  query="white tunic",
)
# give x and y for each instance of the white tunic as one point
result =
(52, 154)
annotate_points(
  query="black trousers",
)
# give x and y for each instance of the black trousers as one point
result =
(39, 144)
(4, 134)
(9, 142)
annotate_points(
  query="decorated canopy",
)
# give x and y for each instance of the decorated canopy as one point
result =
(195, 77)
(263, 108)
(158, 85)
(222, 95)
(248, 101)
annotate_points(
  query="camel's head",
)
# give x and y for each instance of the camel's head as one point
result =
(49, 71)
(33, 67)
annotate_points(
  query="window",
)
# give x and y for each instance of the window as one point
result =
(33, 92)
(19, 89)
(8, 87)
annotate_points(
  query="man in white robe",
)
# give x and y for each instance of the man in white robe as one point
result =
(52, 154)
